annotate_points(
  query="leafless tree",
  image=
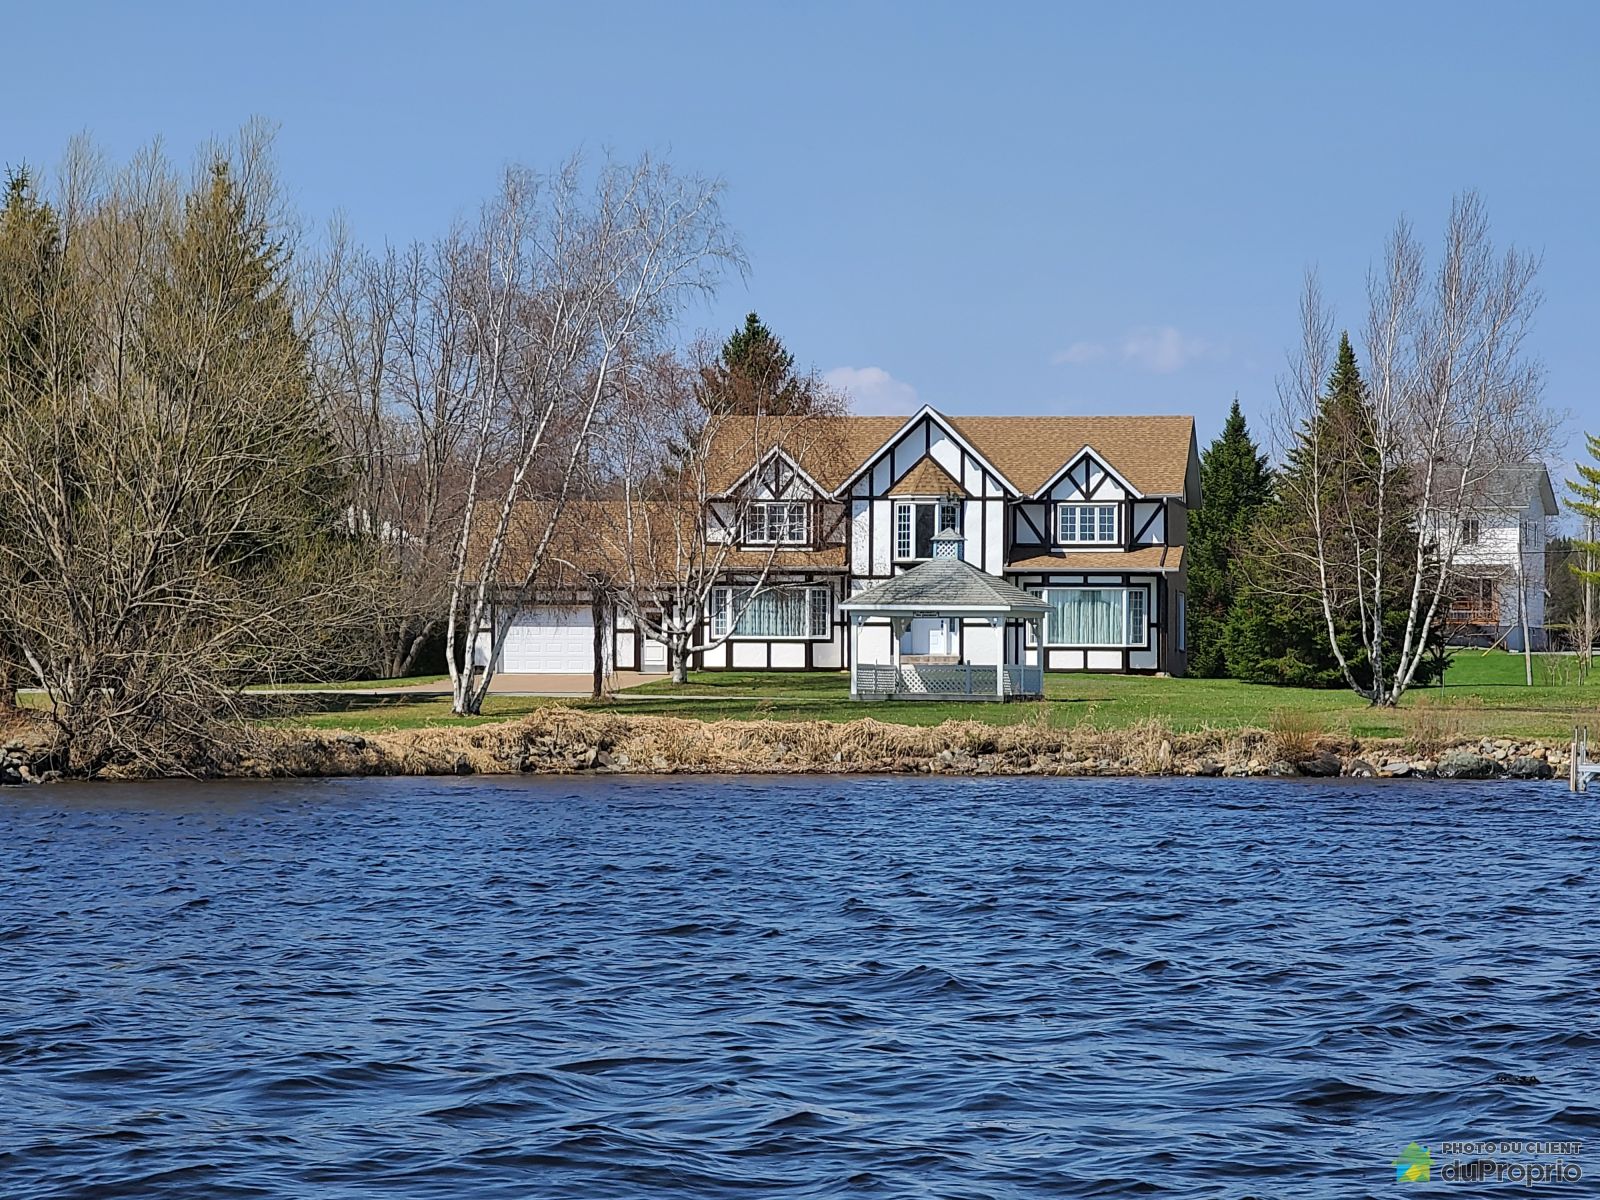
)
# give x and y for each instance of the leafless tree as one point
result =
(393, 362)
(695, 481)
(563, 282)
(1454, 397)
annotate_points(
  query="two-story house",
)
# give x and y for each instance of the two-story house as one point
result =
(1087, 514)
(1498, 553)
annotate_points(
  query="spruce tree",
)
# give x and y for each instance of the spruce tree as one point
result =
(1273, 635)
(754, 375)
(226, 292)
(30, 278)
(1235, 482)
(1584, 562)
(30, 254)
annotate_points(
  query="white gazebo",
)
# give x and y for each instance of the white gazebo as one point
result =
(945, 587)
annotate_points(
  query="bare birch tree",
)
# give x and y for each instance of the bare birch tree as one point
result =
(699, 480)
(563, 283)
(1453, 398)
(393, 363)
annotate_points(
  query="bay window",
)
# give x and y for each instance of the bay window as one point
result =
(1096, 616)
(773, 612)
(915, 523)
(785, 522)
(1087, 523)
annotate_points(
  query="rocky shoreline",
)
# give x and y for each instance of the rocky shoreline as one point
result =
(567, 741)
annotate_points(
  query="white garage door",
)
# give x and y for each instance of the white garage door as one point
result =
(545, 640)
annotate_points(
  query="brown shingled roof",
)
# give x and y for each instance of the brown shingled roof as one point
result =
(591, 538)
(1152, 453)
(927, 478)
(1146, 558)
(826, 448)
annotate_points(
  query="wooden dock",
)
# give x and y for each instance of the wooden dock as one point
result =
(1583, 769)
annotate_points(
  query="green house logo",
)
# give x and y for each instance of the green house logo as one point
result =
(1414, 1164)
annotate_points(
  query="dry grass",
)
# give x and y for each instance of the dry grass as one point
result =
(1432, 725)
(1296, 735)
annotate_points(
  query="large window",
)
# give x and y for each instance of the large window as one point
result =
(775, 612)
(915, 523)
(1090, 616)
(1091, 523)
(786, 522)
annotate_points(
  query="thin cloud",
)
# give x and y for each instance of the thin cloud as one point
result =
(873, 391)
(1079, 353)
(1160, 349)
(1164, 350)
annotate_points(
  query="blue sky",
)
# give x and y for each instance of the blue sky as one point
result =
(989, 208)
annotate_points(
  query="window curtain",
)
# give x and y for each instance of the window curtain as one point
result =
(784, 614)
(1086, 617)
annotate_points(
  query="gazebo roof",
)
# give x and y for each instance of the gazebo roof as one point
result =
(946, 585)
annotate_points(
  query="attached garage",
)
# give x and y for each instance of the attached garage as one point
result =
(550, 640)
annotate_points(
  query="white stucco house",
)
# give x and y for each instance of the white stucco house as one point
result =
(1499, 543)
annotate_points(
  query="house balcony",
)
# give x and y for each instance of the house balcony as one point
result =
(1467, 613)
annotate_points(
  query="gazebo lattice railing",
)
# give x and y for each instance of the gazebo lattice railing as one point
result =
(934, 681)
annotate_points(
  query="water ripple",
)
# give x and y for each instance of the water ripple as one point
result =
(800, 987)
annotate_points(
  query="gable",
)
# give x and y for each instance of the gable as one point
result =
(929, 435)
(927, 478)
(826, 448)
(1088, 476)
(776, 477)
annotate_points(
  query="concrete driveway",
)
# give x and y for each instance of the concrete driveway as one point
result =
(512, 684)
(509, 684)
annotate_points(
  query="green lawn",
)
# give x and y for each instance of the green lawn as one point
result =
(1484, 696)
(350, 685)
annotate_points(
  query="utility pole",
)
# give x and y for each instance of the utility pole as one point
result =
(1522, 599)
(1586, 652)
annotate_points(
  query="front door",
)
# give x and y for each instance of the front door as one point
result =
(937, 636)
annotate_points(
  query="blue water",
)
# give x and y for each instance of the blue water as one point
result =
(792, 987)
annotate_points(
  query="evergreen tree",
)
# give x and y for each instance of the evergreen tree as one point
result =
(754, 375)
(30, 257)
(1274, 634)
(1235, 482)
(222, 325)
(1584, 562)
(30, 275)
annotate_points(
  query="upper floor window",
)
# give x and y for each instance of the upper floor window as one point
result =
(915, 523)
(785, 522)
(1095, 523)
(1469, 531)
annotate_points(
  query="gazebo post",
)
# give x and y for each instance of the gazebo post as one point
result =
(855, 653)
(1036, 625)
(998, 624)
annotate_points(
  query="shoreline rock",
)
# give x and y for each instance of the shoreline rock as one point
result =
(563, 741)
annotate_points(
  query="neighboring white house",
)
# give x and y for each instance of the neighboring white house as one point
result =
(1499, 559)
